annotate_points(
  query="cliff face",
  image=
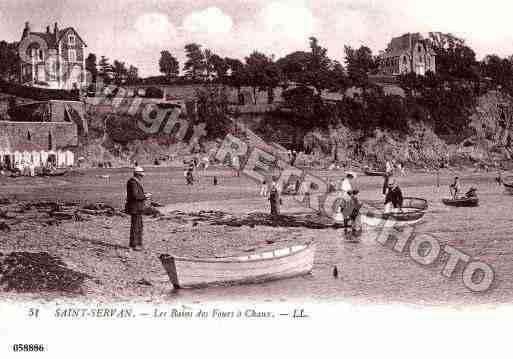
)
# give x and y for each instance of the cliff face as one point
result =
(117, 138)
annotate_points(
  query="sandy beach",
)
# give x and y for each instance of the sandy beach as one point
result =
(205, 220)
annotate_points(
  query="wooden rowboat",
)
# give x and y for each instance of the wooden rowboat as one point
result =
(508, 187)
(412, 212)
(398, 219)
(461, 202)
(245, 269)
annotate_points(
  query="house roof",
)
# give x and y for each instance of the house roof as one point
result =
(50, 37)
(63, 32)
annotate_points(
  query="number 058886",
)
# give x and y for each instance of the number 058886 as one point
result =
(28, 348)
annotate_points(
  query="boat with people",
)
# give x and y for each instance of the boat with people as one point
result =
(461, 202)
(288, 262)
(508, 184)
(470, 199)
(412, 212)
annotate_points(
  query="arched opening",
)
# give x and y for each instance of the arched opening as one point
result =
(29, 137)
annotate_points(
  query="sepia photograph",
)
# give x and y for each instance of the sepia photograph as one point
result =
(307, 173)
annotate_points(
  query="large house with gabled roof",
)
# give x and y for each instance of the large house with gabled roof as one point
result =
(52, 59)
(409, 53)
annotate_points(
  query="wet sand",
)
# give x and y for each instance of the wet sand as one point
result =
(368, 271)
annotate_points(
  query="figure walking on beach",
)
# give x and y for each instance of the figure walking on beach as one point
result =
(388, 173)
(274, 199)
(135, 198)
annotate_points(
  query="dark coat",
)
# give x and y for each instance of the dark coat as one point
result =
(395, 195)
(134, 197)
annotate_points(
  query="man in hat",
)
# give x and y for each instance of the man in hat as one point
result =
(347, 184)
(454, 188)
(135, 198)
(393, 198)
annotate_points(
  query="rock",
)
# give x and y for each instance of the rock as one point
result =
(144, 282)
(4, 227)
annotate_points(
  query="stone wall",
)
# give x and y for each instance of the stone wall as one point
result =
(37, 136)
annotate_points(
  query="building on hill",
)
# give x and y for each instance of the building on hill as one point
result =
(52, 59)
(409, 53)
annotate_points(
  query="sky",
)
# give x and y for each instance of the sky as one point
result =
(135, 31)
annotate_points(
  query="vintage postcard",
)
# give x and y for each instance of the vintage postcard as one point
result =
(255, 177)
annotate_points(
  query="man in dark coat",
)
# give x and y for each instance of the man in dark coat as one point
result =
(274, 199)
(394, 198)
(135, 198)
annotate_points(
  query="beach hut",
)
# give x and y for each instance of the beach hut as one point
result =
(70, 158)
(61, 159)
(52, 158)
(26, 157)
(36, 158)
(17, 156)
(44, 158)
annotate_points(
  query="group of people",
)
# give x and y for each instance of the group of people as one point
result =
(455, 190)
(27, 168)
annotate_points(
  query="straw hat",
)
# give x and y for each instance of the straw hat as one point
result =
(139, 170)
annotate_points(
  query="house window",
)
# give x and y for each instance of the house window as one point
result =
(72, 55)
(71, 39)
(28, 136)
(40, 55)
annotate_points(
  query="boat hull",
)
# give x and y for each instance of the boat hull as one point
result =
(407, 218)
(256, 268)
(464, 202)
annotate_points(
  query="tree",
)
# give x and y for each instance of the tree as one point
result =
(313, 68)
(133, 75)
(195, 65)
(220, 67)
(168, 65)
(106, 72)
(319, 67)
(262, 73)
(90, 64)
(236, 75)
(454, 59)
(120, 72)
(359, 63)
(9, 61)
(499, 70)
(294, 66)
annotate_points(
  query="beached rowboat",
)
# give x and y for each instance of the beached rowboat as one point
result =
(245, 269)
(508, 187)
(407, 217)
(461, 202)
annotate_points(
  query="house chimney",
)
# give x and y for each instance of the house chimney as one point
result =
(56, 32)
(26, 30)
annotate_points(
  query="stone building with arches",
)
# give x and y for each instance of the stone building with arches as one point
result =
(409, 53)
